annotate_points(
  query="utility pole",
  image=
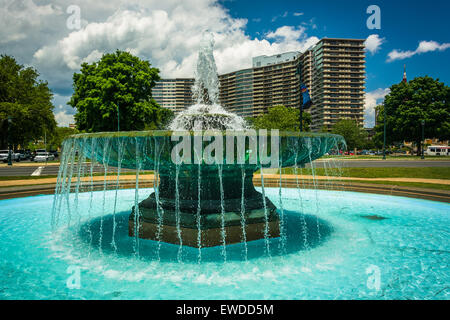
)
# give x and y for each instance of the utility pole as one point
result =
(423, 138)
(384, 132)
(297, 72)
(118, 117)
(45, 146)
(9, 142)
(301, 117)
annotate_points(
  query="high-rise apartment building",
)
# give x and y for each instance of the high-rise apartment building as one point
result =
(333, 70)
(236, 92)
(174, 94)
(275, 82)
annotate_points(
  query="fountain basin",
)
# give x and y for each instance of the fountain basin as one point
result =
(198, 202)
(409, 247)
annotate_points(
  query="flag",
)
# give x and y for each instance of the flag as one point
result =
(306, 100)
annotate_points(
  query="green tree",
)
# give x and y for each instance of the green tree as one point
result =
(27, 101)
(282, 118)
(407, 104)
(119, 82)
(60, 133)
(354, 135)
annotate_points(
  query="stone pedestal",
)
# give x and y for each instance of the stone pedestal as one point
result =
(209, 237)
(214, 212)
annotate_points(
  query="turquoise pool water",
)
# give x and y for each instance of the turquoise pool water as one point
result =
(342, 255)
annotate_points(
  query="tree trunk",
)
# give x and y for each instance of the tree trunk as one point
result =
(419, 147)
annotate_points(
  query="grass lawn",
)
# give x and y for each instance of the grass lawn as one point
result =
(388, 157)
(436, 186)
(431, 173)
(424, 173)
(9, 178)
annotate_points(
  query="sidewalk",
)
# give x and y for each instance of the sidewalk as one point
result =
(310, 177)
(29, 164)
(150, 177)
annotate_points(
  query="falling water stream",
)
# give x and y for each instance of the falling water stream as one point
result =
(146, 151)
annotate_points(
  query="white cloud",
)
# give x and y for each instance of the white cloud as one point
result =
(372, 99)
(424, 46)
(160, 36)
(298, 14)
(63, 113)
(373, 43)
(167, 33)
(63, 119)
(286, 33)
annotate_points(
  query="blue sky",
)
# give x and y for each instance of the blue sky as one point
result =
(42, 34)
(403, 25)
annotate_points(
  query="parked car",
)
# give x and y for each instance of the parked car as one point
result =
(35, 152)
(24, 154)
(4, 156)
(44, 157)
(54, 152)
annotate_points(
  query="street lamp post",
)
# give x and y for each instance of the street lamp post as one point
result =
(9, 142)
(301, 117)
(423, 137)
(118, 117)
(384, 133)
(297, 72)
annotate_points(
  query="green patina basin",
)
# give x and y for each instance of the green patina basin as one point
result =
(195, 192)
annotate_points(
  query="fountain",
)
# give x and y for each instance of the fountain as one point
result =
(216, 220)
(203, 193)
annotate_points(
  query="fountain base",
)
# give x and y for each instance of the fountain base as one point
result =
(209, 237)
(168, 226)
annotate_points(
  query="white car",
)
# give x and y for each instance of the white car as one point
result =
(44, 157)
(4, 156)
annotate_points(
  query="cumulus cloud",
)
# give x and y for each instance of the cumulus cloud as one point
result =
(424, 46)
(286, 33)
(160, 34)
(63, 113)
(373, 43)
(372, 99)
(63, 119)
(167, 33)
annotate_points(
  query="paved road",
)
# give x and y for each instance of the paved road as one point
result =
(43, 170)
(386, 163)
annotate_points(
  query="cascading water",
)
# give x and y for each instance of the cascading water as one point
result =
(206, 113)
(195, 203)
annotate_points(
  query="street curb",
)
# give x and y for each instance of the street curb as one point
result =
(410, 192)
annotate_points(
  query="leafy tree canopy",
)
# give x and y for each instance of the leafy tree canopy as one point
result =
(282, 118)
(407, 104)
(354, 135)
(59, 135)
(26, 100)
(118, 80)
